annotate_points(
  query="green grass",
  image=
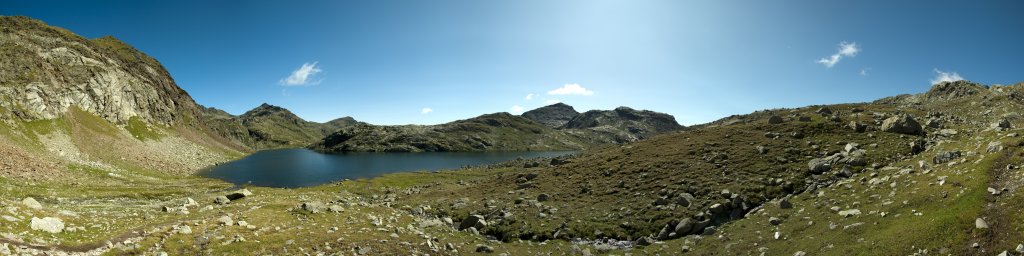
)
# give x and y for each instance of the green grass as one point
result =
(142, 131)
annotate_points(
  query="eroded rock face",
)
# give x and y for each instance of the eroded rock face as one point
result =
(554, 116)
(46, 70)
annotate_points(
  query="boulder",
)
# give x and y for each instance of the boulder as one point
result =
(980, 223)
(945, 157)
(47, 224)
(644, 241)
(717, 209)
(221, 200)
(784, 203)
(684, 227)
(819, 165)
(849, 213)
(31, 203)
(684, 200)
(902, 124)
(1001, 124)
(543, 197)
(238, 194)
(484, 248)
(857, 126)
(225, 221)
(824, 111)
(774, 221)
(775, 120)
(473, 221)
(313, 207)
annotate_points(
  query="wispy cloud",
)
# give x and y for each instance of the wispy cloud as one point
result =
(551, 101)
(571, 89)
(864, 71)
(941, 76)
(845, 50)
(302, 76)
(516, 109)
(529, 96)
(425, 111)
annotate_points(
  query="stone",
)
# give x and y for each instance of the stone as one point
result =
(31, 203)
(761, 150)
(945, 157)
(785, 204)
(185, 229)
(684, 200)
(238, 194)
(543, 197)
(857, 126)
(222, 200)
(484, 248)
(917, 146)
(902, 124)
(473, 221)
(335, 208)
(980, 223)
(709, 231)
(774, 221)
(313, 207)
(1019, 249)
(644, 241)
(800, 253)
(684, 227)
(1001, 124)
(775, 119)
(47, 224)
(995, 146)
(849, 213)
(189, 202)
(225, 221)
(717, 209)
(824, 111)
(819, 165)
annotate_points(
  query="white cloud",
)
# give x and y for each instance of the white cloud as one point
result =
(552, 101)
(302, 75)
(941, 76)
(529, 96)
(845, 50)
(570, 89)
(516, 109)
(864, 71)
(426, 111)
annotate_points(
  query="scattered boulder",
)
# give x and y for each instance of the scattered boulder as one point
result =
(980, 223)
(995, 146)
(717, 209)
(824, 111)
(543, 197)
(221, 200)
(774, 221)
(684, 200)
(225, 221)
(849, 213)
(484, 248)
(775, 119)
(945, 157)
(238, 194)
(784, 203)
(857, 126)
(31, 203)
(313, 207)
(48, 224)
(335, 208)
(819, 165)
(902, 124)
(473, 221)
(644, 241)
(917, 147)
(1001, 124)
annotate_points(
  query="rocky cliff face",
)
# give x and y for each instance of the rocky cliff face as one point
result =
(554, 116)
(44, 70)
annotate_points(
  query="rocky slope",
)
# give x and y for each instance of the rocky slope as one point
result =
(554, 127)
(268, 126)
(491, 132)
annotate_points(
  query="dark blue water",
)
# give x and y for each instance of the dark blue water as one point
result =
(290, 168)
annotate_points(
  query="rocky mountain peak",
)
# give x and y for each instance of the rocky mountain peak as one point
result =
(954, 90)
(554, 115)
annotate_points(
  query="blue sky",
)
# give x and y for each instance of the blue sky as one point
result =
(385, 62)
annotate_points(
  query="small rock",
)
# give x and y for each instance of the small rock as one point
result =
(225, 221)
(774, 221)
(980, 223)
(313, 207)
(849, 213)
(221, 200)
(31, 203)
(48, 224)
(644, 241)
(775, 120)
(239, 194)
(785, 204)
(543, 197)
(484, 248)
(335, 208)
(473, 221)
